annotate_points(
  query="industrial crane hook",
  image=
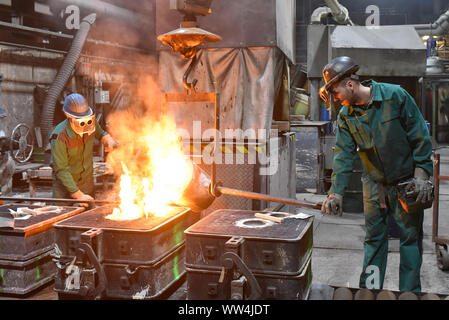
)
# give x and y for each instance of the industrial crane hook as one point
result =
(190, 86)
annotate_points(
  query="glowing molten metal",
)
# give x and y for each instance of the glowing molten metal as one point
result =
(154, 170)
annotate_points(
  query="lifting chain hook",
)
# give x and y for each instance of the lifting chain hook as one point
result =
(190, 86)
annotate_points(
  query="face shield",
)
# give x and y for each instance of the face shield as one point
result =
(84, 125)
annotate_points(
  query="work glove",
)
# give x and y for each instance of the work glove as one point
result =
(422, 185)
(333, 204)
(79, 195)
(109, 143)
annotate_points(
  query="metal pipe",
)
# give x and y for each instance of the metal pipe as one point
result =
(108, 10)
(121, 61)
(319, 13)
(438, 28)
(265, 197)
(213, 176)
(63, 76)
(436, 198)
(99, 202)
(37, 30)
(29, 199)
(68, 36)
(339, 12)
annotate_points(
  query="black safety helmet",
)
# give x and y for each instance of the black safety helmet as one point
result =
(336, 70)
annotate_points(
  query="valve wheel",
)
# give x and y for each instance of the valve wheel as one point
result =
(442, 256)
(21, 136)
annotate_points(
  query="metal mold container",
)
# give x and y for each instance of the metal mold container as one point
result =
(140, 241)
(32, 237)
(128, 281)
(136, 259)
(247, 255)
(205, 285)
(23, 277)
(268, 247)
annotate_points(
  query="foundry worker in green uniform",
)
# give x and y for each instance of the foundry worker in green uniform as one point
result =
(382, 123)
(72, 144)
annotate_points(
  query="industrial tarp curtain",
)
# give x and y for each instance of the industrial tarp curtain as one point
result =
(246, 79)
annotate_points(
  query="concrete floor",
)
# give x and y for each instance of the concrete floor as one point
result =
(337, 256)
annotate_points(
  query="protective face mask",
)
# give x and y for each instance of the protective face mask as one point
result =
(83, 125)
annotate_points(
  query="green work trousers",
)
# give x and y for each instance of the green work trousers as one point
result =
(376, 239)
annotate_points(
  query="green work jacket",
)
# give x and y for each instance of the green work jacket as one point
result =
(389, 134)
(72, 155)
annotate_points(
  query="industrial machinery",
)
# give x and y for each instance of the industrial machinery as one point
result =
(20, 141)
(189, 36)
(18, 146)
(186, 41)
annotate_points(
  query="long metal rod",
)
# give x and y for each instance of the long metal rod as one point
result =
(99, 202)
(68, 36)
(23, 199)
(260, 196)
(36, 30)
(112, 60)
(213, 176)
(436, 198)
(223, 190)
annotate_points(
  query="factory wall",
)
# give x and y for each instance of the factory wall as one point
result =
(22, 71)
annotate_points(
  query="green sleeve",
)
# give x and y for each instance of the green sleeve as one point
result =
(61, 165)
(99, 132)
(417, 132)
(344, 154)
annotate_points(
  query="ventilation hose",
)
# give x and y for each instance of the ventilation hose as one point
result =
(63, 75)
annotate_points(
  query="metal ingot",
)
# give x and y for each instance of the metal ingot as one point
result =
(430, 296)
(364, 294)
(185, 39)
(408, 296)
(343, 294)
(386, 295)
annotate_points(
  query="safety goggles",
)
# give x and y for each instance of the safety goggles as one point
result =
(83, 125)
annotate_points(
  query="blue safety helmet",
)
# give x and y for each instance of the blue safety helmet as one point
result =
(75, 106)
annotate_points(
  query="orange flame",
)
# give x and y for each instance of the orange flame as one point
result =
(155, 171)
